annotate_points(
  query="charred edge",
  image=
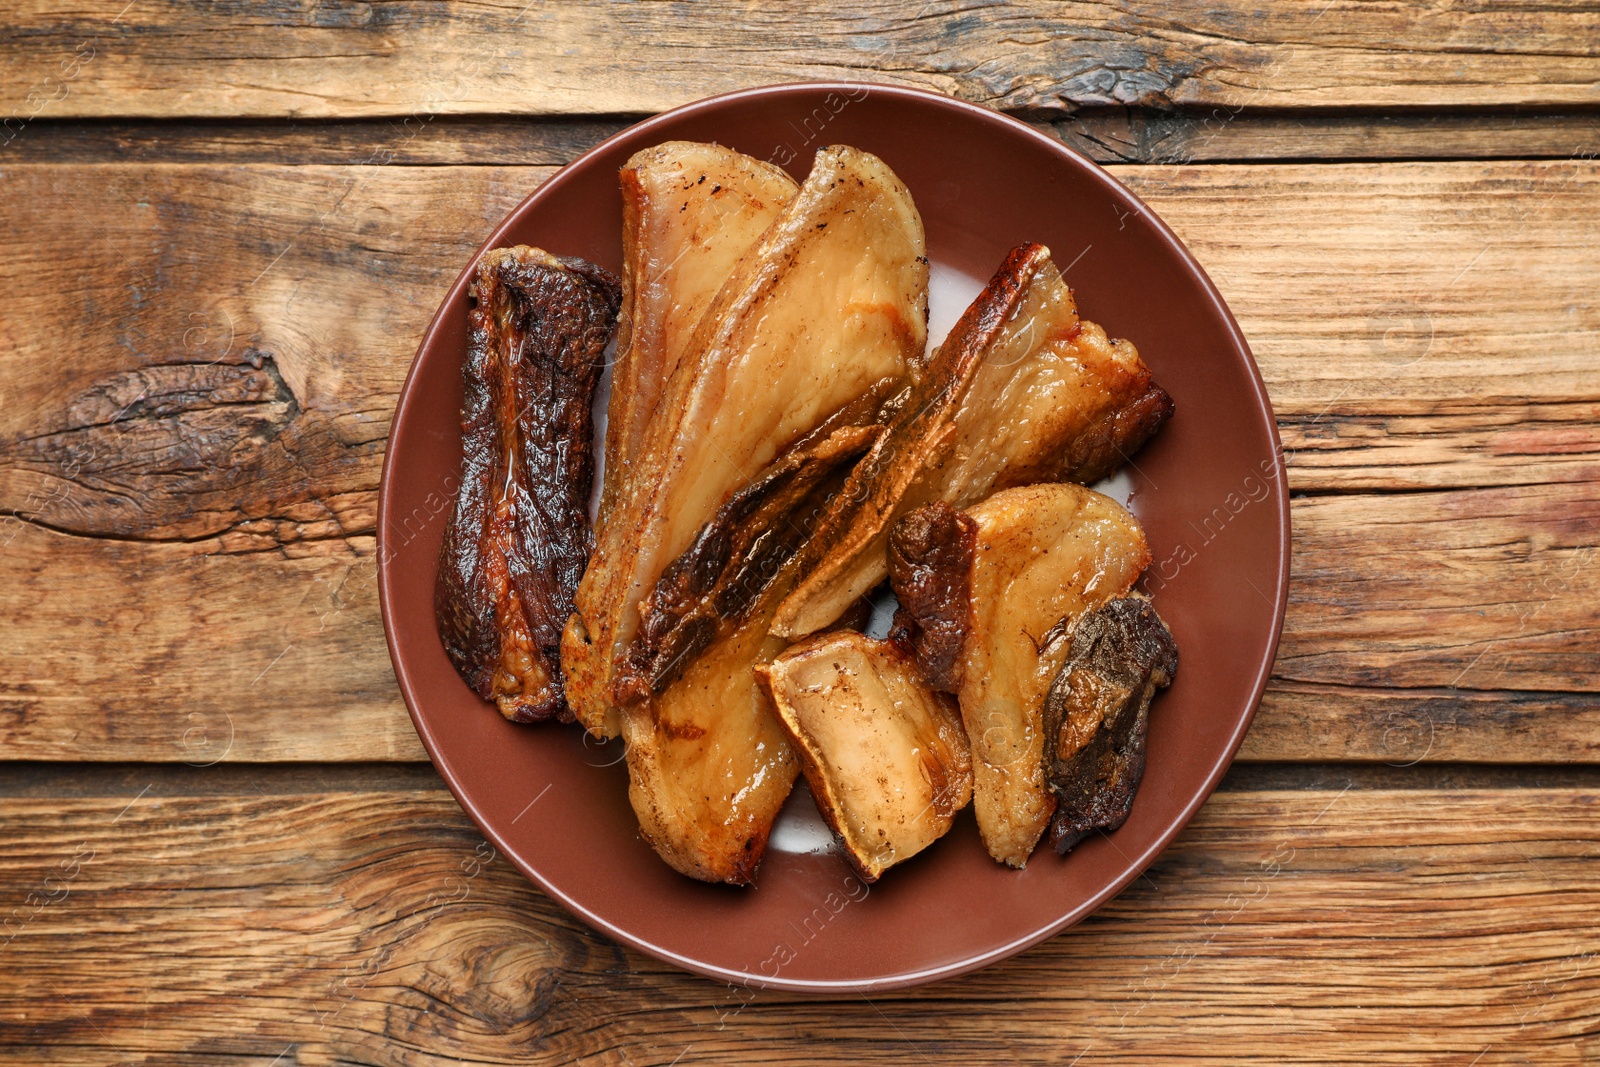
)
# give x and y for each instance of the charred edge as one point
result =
(717, 583)
(930, 569)
(519, 537)
(1108, 443)
(1121, 654)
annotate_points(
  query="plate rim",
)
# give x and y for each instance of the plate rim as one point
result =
(1137, 865)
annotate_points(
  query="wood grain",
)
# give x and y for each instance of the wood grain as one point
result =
(1240, 134)
(264, 315)
(1461, 443)
(1395, 726)
(1434, 282)
(196, 479)
(213, 285)
(1440, 625)
(1104, 134)
(1411, 926)
(185, 58)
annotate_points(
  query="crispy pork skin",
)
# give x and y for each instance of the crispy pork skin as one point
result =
(1096, 712)
(885, 756)
(519, 537)
(930, 566)
(708, 764)
(1022, 391)
(1043, 556)
(830, 301)
(712, 588)
(690, 213)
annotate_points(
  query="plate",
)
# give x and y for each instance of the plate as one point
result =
(1210, 490)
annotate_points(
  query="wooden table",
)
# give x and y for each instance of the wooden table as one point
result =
(225, 228)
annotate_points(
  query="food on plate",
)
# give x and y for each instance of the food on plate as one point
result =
(712, 588)
(885, 756)
(709, 767)
(690, 211)
(1042, 557)
(518, 539)
(1022, 391)
(930, 561)
(1096, 712)
(830, 301)
(828, 307)
(777, 445)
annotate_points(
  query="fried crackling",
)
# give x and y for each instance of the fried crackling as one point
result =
(690, 212)
(1022, 391)
(831, 300)
(518, 539)
(709, 767)
(716, 583)
(885, 756)
(1096, 712)
(930, 564)
(1041, 556)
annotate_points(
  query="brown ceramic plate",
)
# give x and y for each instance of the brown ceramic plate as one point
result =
(1210, 491)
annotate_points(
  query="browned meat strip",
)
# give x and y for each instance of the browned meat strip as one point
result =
(930, 566)
(1022, 391)
(710, 589)
(519, 537)
(1096, 712)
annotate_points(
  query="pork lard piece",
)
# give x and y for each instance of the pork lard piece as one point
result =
(1096, 713)
(1022, 391)
(831, 300)
(519, 538)
(885, 756)
(690, 212)
(709, 767)
(1042, 557)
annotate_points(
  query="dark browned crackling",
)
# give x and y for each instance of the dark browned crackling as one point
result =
(716, 582)
(519, 538)
(1097, 710)
(930, 570)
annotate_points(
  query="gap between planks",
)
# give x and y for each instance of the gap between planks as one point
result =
(1106, 135)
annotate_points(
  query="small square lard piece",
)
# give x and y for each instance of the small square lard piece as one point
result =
(886, 756)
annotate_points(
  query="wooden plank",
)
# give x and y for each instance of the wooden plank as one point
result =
(304, 290)
(1414, 926)
(1406, 727)
(1399, 286)
(263, 321)
(1446, 625)
(106, 58)
(197, 480)
(1231, 134)
(1461, 443)
(1466, 589)
(410, 140)
(1104, 134)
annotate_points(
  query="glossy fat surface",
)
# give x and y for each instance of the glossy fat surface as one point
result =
(1044, 554)
(885, 756)
(1028, 385)
(708, 765)
(832, 299)
(690, 212)
(518, 539)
